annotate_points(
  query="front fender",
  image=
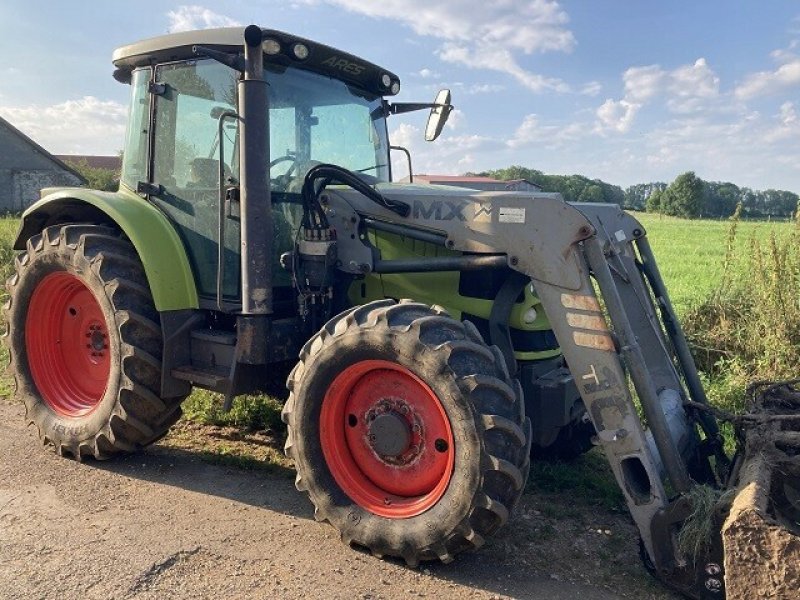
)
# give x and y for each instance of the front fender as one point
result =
(160, 249)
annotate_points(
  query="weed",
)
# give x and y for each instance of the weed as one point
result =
(749, 326)
(252, 412)
(588, 477)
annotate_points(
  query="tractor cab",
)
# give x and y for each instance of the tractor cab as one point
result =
(187, 139)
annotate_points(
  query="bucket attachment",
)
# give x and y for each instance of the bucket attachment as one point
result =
(761, 535)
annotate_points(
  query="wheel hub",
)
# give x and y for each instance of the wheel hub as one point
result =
(97, 340)
(389, 435)
(386, 438)
(67, 344)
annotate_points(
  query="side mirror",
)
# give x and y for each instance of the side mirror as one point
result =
(438, 116)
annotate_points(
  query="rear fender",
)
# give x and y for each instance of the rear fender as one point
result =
(160, 249)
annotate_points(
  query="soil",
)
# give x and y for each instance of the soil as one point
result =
(761, 534)
(172, 522)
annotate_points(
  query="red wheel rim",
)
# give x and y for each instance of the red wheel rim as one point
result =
(68, 347)
(386, 439)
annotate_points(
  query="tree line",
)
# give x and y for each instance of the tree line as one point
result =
(687, 196)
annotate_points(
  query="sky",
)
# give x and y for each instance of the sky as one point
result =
(621, 90)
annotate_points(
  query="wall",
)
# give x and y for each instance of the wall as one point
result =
(24, 170)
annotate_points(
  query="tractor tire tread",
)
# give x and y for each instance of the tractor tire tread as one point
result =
(140, 416)
(498, 414)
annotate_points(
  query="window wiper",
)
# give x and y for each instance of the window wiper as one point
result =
(369, 168)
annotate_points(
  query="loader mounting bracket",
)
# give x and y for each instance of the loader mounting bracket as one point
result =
(701, 577)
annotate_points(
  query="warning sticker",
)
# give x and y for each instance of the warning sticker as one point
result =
(511, 215)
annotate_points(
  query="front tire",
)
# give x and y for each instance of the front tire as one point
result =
(407, 431)
(85, 343)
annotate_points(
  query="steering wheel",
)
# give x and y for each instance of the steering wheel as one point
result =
(283, 180)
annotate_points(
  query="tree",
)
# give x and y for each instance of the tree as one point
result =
(592, 193)
(573, 188)
(722, 198)
(97, 178)
(654, 201)
(685, 197)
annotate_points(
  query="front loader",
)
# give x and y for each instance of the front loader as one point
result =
(445, 336)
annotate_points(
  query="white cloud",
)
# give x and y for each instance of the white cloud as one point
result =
(685, 88)
(616, 115)
(529, 131)
(499, 59)
(456, 119)
(786, 125)
(784, 55)
(484, 88)
(592, 88)
(788, 115)
(451, 154)
(427, 73)
(486, 35)
(85, 126)
(770, 82)
(643, 83)
(532, 132)
(191, 16)
(694, 80)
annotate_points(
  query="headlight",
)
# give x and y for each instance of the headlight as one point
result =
(300, 51)
(271, 46)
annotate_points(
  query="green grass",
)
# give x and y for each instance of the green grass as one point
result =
(588, 479)
(691, 253)
(251, 412)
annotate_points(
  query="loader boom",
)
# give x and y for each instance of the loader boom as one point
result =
(605, 339)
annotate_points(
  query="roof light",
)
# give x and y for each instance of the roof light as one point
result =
(395, 87)
(271, 46)
(300, 51)
(386, 80)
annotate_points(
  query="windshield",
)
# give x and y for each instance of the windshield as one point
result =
(316, 119)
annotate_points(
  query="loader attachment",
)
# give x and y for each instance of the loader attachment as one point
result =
(593, 270)
(761, 535)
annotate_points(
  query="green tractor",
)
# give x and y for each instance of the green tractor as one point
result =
(256, 222)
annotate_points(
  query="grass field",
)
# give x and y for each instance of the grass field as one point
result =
(691, 254)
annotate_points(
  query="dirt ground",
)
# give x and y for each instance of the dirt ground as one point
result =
(167, 523)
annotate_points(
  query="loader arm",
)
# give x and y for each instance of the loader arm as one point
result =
(569, 252)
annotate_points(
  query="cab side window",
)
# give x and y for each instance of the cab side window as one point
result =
(186, 163)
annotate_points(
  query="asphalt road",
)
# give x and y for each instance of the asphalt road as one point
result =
(164, 524)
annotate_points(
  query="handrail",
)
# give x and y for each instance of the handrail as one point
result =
(228, 114)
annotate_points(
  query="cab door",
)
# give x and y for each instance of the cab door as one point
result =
(189, 98)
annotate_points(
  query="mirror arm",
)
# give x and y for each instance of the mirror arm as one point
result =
(234, 61)
(404, 107)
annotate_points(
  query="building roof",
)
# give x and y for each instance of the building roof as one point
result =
(456, 178)
(112, 163)
(470, 179)
(40, 150)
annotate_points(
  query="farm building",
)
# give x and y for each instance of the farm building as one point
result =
(26, 167)
(486, 184)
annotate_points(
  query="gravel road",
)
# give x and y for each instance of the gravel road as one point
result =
(165, 524)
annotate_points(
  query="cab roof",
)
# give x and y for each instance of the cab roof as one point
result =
(321, 58)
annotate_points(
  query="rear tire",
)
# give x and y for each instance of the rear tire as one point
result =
(85, 343)
(431, 382)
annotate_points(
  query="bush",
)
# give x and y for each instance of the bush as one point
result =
(749, 327)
